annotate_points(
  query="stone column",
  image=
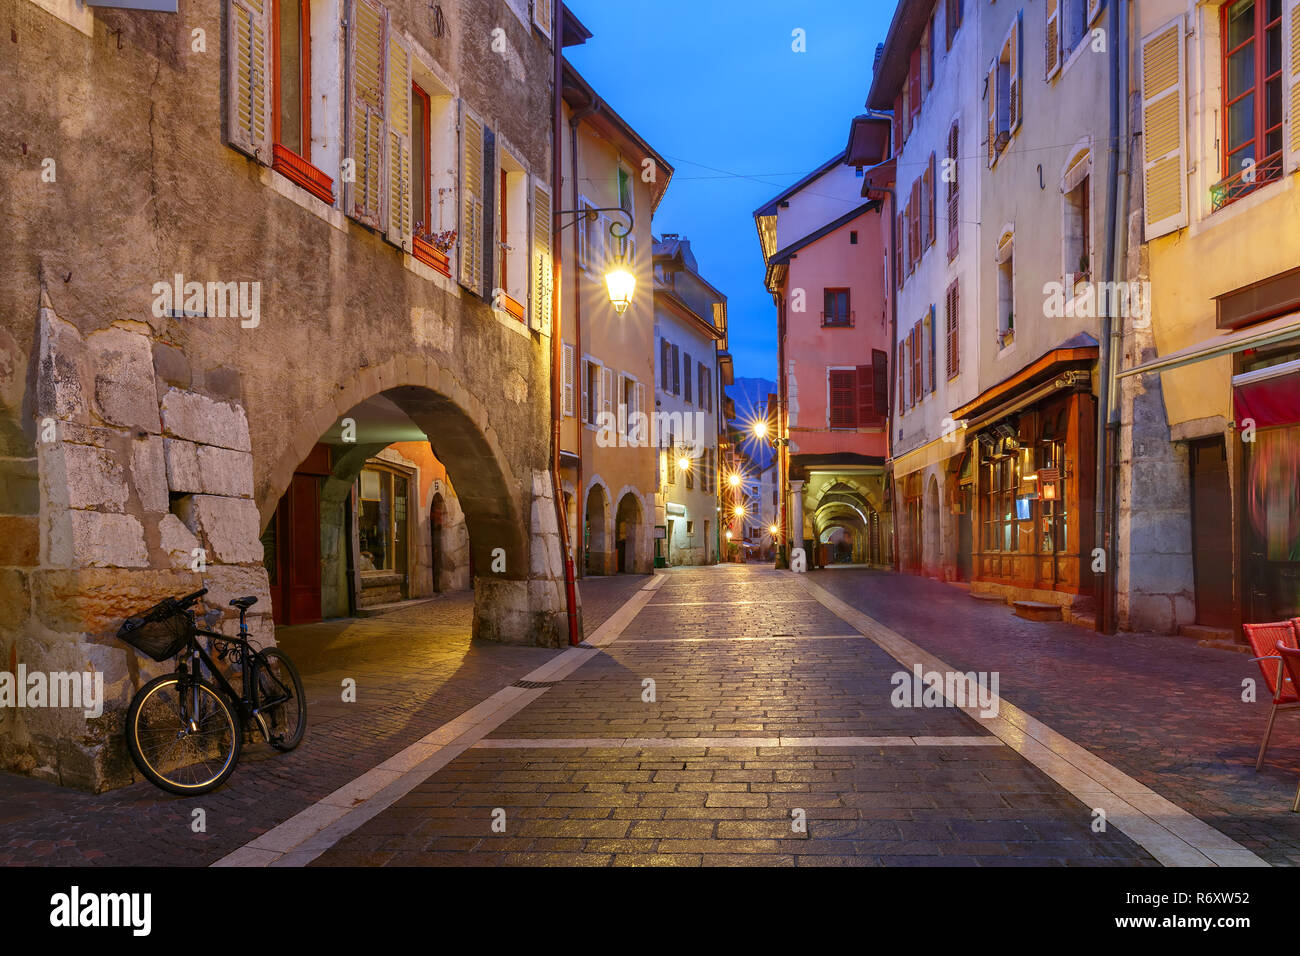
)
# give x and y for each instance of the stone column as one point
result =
(796, 515)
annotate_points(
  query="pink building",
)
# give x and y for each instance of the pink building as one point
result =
(826, 269)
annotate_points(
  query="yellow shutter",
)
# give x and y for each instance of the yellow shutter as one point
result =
(366, 60)
(248, 78)
(993, 112)
(1164, 133)
(398, 229)
(542, 15)
(543, 278)
(471, 200)
(1291, 83)
(1052, 43)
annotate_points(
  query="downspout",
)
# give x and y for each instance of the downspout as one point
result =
(579, 499)
(557, 344)
(1122, 14)
(782, 430)
(1107, 420)
(892, 280)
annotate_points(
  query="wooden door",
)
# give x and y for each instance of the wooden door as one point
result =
(1211, 532)
(298, 532)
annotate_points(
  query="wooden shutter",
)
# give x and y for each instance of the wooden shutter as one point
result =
(880, 383)
(1094, 8)
(954, 232)
(471, 200)
(1017, 99)
(586, 391)
(1291, 83)
(949, 22)
(248, 78)
(866, 410)
(665, 376)
(918, 364)
(567, 379)
(992, 84)
(399, 143)
(543, 283)
(542, 16)
(1163, 158)
(491, 205)
(901, 365)
(932, 196)
(951, 333)
(607, 386)
(676, 363)
(638, 395)
(898, 124)
(843, 386)
(1052, 42)
(931, 351)
(686, 374)
(367, 48)
(914, 83)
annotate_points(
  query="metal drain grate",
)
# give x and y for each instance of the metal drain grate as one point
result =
(533, 684)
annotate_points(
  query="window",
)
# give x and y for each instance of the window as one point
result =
(1076, 24)
(1077, 227)
(1006, 291)
(665, 371)
(421, 116)
(999, 483)
(853, 237)
(951, 168)
(383, 520)
(686, 366)
(927, 45)
(591, 397)
(292, 73)
(703, 389)
(625, 198)
(952, 329)
(512, 234)
(843, 386)
(1005, 96)
(859, 396)
(1053, 523)
(836, 310)
(951, 19)
(568, 380)
(1252, 94)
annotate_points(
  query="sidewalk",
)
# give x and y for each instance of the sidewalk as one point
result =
(415, 669)
(1163, 709)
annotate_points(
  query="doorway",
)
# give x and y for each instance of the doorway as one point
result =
(1211, 531)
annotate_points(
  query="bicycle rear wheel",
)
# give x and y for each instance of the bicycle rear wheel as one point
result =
(183, 734)
(279, 697)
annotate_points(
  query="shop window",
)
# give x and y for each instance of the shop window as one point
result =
(999, 484)
(383, 520)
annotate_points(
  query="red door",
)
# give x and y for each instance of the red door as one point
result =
(295, 592)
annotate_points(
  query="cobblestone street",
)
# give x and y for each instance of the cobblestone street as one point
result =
(768, 737)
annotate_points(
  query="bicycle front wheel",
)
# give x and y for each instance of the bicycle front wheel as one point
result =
(183, 734)
(279, 697)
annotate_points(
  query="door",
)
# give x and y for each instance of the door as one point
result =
(1211, 532)
(964, 534)
(435, 543)
(302, 560)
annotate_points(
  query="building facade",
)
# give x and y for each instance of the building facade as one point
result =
(833, 348)
(690, 330)
(612, 179)
(317, 230)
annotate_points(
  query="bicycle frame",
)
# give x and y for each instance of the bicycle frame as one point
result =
(248, 656)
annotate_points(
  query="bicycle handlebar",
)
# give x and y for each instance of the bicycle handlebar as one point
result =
(191, 598)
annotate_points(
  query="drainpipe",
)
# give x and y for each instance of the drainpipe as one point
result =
(892, 279)
(557, 344)
(1105, 523)
(783, 431)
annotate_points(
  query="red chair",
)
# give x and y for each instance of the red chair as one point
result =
(1264, 641)
(1291, 659)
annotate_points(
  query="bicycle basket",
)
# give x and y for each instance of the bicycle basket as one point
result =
(159, 635)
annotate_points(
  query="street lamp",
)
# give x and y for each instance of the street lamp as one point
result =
(620, 282)
(738, 511)
(684, 463)
(774, 530)
(734, 480)
(760, 429)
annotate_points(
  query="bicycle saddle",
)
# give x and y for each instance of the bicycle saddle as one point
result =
(244, 603)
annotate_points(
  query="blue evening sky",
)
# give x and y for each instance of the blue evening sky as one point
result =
(715, 87)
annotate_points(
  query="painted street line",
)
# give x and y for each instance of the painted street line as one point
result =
(717, 743)
(728, 639)
(309, 833)
(725, 603)
(1165, 830)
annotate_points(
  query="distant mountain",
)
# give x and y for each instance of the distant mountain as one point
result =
(750, 396)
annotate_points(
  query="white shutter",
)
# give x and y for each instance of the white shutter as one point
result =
(248, 78)
(366, 94)
(1094, 8)
(543, 282)
(1017, 101)
(471, 200)
(1291, 83)
(542, 15)
(399, 144)
(1052, 42)
(607, 390)
(600, 245)
(586, 392)
(993, 115)
(1163, 128)
(567, 380)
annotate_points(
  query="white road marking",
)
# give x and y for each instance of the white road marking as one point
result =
(715, 743)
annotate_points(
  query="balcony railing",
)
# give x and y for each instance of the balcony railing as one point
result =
(838, 320)
(1227, 191)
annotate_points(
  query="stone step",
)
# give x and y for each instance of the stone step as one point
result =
(1037, 610)
(992, 598)
(1206, 632)
(1079, 618)
(375, 610)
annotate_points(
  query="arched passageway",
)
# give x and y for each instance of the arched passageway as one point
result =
(595, 533)
(628, 526)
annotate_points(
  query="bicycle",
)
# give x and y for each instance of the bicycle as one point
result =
(185, 734)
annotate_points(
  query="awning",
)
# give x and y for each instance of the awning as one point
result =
(1226, 343)
(1270, 401)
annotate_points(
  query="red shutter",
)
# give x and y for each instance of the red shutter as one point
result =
(880, 383)
(932, 196)
(932, 334)
(918, 364)
(914, 82)
(898, 124)
(866, 396)
(952, 193)
(843, 386)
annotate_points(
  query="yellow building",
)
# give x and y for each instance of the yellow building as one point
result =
(1219, 90)
(607, 461)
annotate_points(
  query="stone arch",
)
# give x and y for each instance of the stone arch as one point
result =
(596, 521)
(931, 532)
(629, 530)
(457, 426)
